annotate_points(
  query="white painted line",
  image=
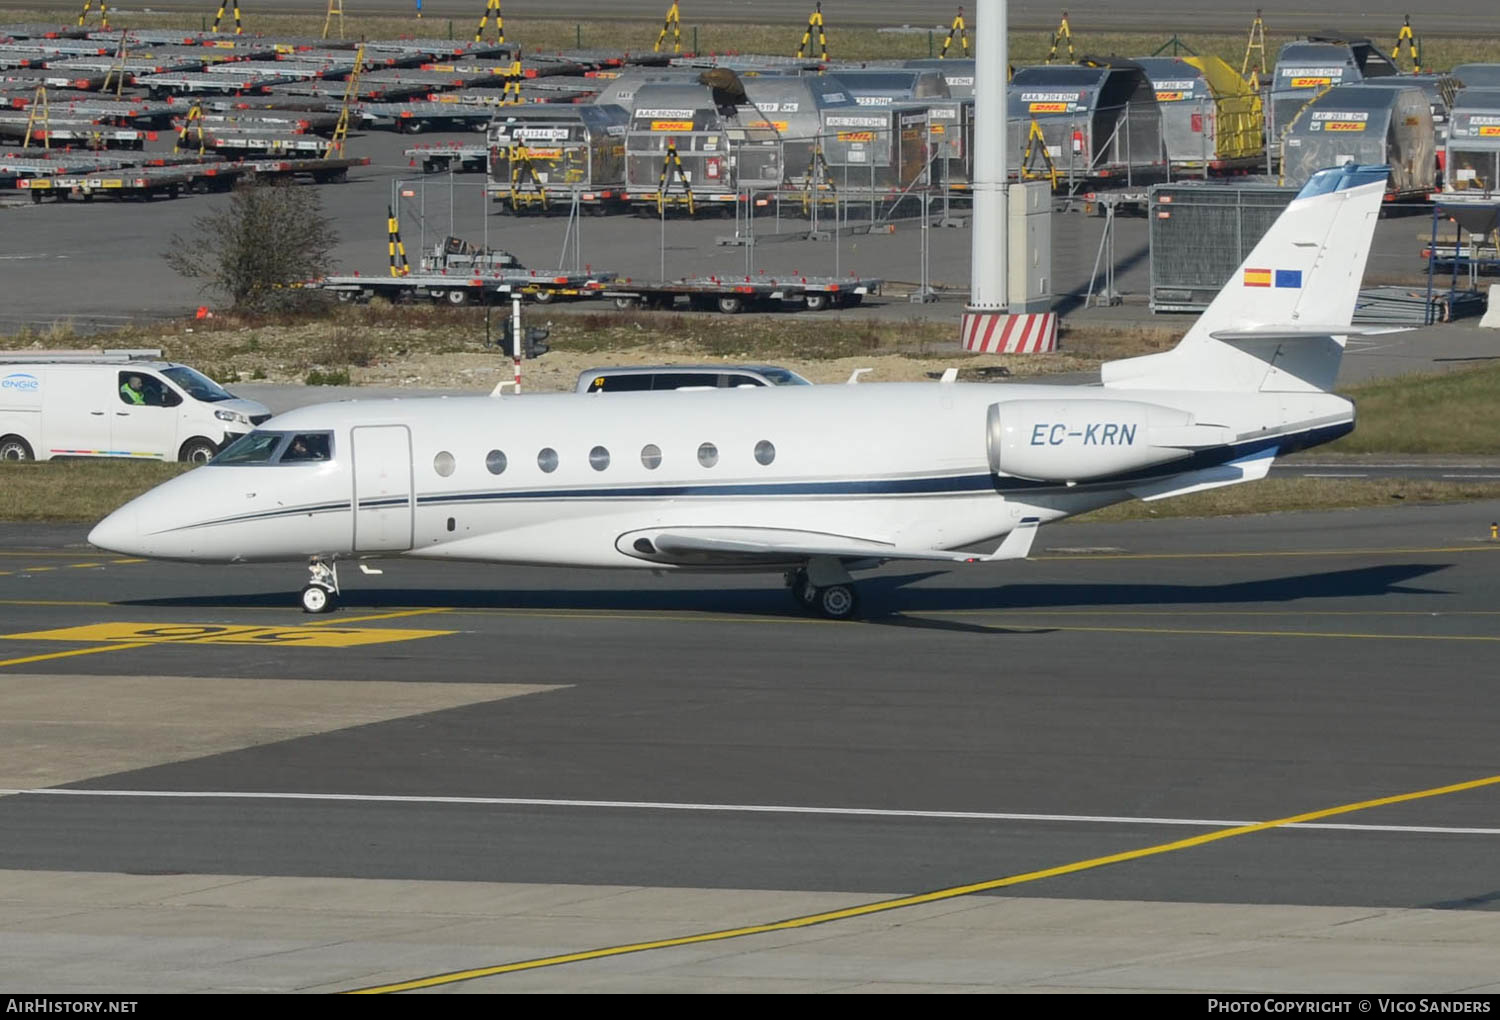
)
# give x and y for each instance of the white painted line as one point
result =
(1471, 476)
(769, 809)
(1312, 475)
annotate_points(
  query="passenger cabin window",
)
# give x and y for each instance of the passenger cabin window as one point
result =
(598, 458)
(495, 462)
(651, 456)
(547, 460)
(744, 380)
(687, 381)
(765, 452)
(256, 448)
(443, 463)
(708, 455)
(307, 446)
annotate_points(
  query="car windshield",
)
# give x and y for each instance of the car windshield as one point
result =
(256, 448)
(196, 384)
(783, 377)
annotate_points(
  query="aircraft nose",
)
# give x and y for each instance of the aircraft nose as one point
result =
(120, 532)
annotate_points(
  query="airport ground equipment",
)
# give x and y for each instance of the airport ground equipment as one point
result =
(731, 295)
(1200, 232)
(335, 7)
(1100, 121)
(1318, 62)
(1255, 50)
(413, 118)
(449, 156)
(1368, 125)
(1211, 119)
(458, 272)
(1413, 51)
(239, 27)
(211, 173)
(573, 148)
(1472, 159)
(957, 72)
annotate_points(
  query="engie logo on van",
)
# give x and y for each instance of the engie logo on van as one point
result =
(22, 382)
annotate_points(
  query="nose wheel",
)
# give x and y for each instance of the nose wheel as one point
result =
(322, 592)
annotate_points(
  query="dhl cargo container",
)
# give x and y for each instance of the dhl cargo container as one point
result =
(539, 154)
(1211, 118)
(1364, 124)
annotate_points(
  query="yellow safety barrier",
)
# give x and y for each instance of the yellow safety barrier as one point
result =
(194, 117)
(962, 30)
(484, 20)
(1036, 144)
(103, 13)
(399, 265)
(1255, 46)
(1063, 32)
(674, 23)
(1411, 47)
(522, 167)
(815, 20)
(39, 103)
(671, 167)
(239, 28)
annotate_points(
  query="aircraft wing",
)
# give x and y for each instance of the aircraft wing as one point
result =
(779, 545)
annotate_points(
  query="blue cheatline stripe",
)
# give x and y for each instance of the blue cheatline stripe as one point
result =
(941, 485)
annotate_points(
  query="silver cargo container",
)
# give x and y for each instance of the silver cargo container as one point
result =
(1369, 125)
(957, 74)
(1307, 65)
(1201, 233)
(721, 149)
(565, 146)
(1097, 122)
(1473, 154)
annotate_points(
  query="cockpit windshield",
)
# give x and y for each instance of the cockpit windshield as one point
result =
(256, 448)
(196, 384)
(261, 447)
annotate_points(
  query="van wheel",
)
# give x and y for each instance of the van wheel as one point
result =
(197, 451)
(731, 304)
(15, 448)
(816, 302)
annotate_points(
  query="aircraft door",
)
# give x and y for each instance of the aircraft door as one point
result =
(383, 510)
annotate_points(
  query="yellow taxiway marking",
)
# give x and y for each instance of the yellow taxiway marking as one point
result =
(138, 634)
(377, 616)
(75, 651)
(1038, 621)
(953, 892)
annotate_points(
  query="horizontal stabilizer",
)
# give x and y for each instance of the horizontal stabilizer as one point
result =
(1294, 332)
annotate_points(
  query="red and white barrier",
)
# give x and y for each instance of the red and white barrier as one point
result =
(999, 333)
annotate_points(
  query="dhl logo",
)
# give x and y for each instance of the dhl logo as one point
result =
(671, 125)
(544, 153)
(1490, 131)
(1048, 108)
(856, 136)
(779, 125)
(1308, 83)
(1168, 97)
(1344, 125)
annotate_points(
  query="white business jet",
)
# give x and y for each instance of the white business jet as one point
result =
(815, 482)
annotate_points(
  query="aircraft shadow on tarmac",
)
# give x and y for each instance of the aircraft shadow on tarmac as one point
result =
(884, 598)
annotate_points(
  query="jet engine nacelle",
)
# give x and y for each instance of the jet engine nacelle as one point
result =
(1077, 440)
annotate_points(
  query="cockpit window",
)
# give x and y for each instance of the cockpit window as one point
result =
(256, 448)
(196, 384)
(308, 446)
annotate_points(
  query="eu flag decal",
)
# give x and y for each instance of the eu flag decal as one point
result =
(1258, 277)
(1289, 278)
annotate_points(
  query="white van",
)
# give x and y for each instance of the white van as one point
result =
(115, 404)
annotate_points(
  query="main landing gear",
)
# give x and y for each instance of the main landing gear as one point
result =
(322, 592)
(835, 601)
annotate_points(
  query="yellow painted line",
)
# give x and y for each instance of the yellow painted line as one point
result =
(210, 633)
(36, 570)
(953, 892)
(80, 566)
(52, 602)
(1476, 547)
(127, 561)
(1068, 628)
(337, 620)
(75, 651)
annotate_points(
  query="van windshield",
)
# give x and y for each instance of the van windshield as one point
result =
(196, 384)
(782, 377)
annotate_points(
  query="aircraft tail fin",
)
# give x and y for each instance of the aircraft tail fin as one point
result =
(1279, 324)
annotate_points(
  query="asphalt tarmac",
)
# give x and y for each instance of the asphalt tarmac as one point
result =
(1136, 689)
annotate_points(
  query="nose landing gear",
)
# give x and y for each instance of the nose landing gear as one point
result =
(322, 592)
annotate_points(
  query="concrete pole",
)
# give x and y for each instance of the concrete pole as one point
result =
(988, 282)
